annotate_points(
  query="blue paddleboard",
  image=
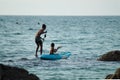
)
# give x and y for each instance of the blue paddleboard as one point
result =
(56, 56)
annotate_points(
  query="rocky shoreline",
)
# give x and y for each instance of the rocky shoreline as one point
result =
(116, 75)
(111, 56)
(15, 73)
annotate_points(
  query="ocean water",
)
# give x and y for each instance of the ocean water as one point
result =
(86, 37)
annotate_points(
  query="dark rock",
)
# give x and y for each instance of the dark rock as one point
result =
(0, 72)
(116, 75)
(111, 56)
(14, 73)
(109, 76)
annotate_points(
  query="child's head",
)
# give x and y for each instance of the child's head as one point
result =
(44, 26)
(52, 44)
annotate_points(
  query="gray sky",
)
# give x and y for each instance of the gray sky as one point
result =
(59, 7)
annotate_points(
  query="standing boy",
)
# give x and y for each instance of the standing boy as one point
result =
(39, 40)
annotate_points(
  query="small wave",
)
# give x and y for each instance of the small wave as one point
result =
(117, 45)
(8, 61)
(1, 19)
(56, 40)
(17, 33)
(18, 23)
(30, 29)
(38, 23)
(24, 59)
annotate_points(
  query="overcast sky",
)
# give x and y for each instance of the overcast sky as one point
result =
(59, 7)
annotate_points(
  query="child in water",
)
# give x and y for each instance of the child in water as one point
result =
(53, 50)
(39, 40)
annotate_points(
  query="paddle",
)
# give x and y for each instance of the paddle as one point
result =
(44, 37)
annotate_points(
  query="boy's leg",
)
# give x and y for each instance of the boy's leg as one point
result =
(37, 50)
(41, 46)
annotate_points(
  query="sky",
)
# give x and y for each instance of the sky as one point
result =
(60, 7)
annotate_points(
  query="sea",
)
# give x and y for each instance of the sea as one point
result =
(86, 37)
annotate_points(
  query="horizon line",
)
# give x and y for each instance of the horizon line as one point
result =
(50, 15)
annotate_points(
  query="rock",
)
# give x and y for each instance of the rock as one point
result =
(116, 75)
(111, 56)
(109, 76)
(0, 73)
(14, 73)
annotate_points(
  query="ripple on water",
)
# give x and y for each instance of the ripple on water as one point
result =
(17, 33)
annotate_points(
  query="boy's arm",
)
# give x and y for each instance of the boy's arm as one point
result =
(44, 32)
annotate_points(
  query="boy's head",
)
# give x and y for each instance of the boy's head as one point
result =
(52, 44)
(44, 26)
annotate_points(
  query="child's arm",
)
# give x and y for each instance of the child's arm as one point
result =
(57, 48)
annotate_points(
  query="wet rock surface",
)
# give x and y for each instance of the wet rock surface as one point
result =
(14, 73)
(110, 56)
(116, 75)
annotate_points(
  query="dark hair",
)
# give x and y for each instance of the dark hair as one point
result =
(44, 26)
(52, 44)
